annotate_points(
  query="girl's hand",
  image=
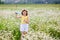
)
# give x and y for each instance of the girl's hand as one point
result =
(26, 21)
(16, 12)
(17, 15)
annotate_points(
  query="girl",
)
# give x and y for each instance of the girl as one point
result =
(24, 22)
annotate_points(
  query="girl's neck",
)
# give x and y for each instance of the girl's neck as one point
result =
(23, 15)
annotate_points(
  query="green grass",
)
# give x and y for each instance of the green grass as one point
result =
(10, 25)
(40, 6)
(39, 20)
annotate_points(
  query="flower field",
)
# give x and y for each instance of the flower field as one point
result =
(44, 21)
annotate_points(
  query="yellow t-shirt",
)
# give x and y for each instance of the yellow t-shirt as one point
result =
(23, 18)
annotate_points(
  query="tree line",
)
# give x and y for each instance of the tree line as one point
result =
(1, 2)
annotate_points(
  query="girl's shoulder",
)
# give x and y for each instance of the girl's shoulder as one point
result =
(23, 16)
(27, 16)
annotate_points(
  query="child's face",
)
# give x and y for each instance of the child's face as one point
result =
(24, 13)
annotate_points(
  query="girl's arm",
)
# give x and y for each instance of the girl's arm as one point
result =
(17, 16)
(27, 21)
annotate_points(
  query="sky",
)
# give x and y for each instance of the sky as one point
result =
(31, 1)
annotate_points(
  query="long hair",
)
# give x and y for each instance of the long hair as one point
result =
(23, 11)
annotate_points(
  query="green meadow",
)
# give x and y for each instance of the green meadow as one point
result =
(44, 21)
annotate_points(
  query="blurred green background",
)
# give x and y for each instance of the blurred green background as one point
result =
(44, 18)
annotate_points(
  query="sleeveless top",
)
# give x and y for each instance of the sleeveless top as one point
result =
(23, 18)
